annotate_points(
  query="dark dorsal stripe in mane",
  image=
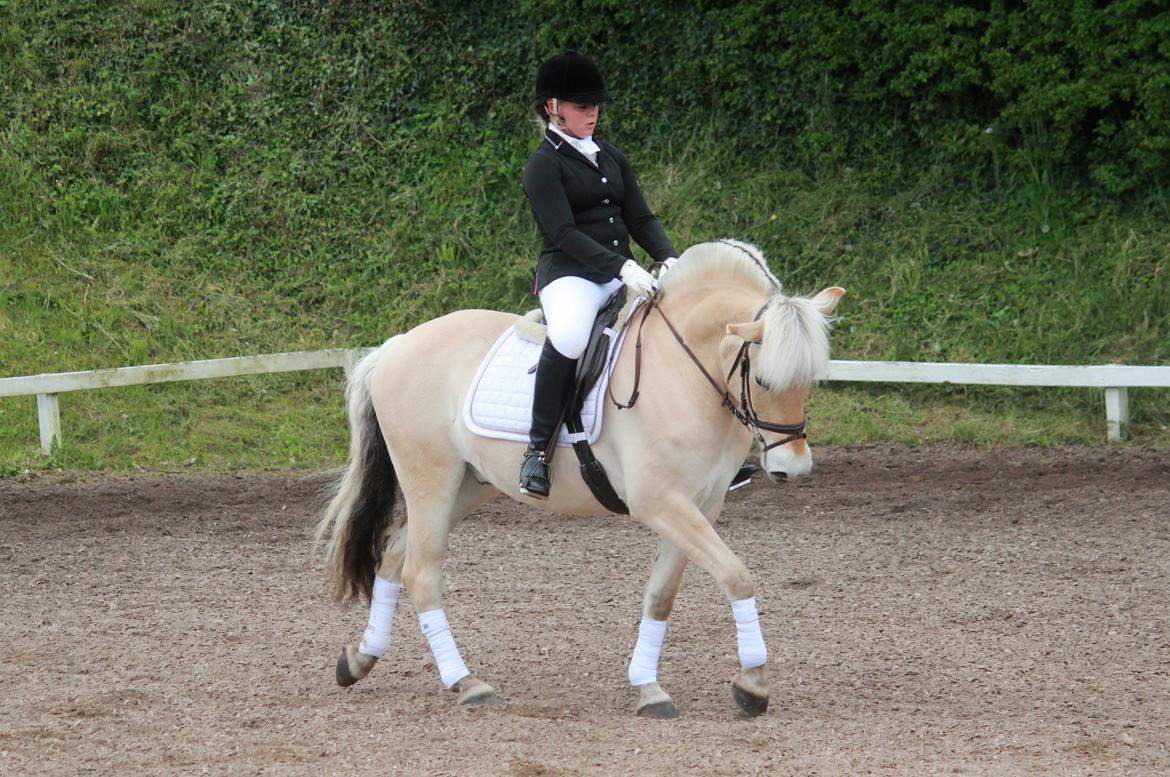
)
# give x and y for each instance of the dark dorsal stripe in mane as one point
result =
(719, 257)
(756, 258)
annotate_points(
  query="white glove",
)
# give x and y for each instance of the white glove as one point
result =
(638, 280)
(667, 263)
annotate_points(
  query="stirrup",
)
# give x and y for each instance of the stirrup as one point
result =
(535, 479)
(743, 477)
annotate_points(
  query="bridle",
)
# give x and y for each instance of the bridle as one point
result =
(745, 413)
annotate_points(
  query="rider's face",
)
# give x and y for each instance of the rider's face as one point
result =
(579, 120)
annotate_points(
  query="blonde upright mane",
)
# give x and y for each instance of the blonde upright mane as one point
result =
(720, 258)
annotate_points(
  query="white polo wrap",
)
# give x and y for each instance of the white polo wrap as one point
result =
(376, 639)
(752, 651)
(447, 659)
(644, 664)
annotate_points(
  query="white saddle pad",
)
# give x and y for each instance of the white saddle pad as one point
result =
(499, 404)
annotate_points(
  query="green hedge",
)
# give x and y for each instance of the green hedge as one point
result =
(1078, 87)
(359, 162)
(310, 95)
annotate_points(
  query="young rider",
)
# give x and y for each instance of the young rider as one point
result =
(587, 206)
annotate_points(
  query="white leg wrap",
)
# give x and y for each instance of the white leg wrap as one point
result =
(376, 639)
(438, 633)
(644, 664)
(752, 651)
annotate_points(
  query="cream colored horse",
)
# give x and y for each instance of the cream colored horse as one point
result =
(670, 457)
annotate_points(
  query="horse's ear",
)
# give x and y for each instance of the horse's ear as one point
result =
(826, 301)
(751, 332)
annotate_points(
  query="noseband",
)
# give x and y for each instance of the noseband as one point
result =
(745, 413)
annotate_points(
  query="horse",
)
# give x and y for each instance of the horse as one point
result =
(727, 360)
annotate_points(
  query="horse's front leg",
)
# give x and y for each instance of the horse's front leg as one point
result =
(684, 526)
(661, 588)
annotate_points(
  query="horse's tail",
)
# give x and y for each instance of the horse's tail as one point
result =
(363, 497)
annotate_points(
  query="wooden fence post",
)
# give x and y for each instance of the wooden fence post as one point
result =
(49, 419)
(1116, 412)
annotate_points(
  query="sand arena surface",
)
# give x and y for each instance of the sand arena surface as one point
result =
(928, 611)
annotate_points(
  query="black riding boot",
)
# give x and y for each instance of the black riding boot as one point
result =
(554, 381)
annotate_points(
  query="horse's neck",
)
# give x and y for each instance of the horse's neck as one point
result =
(701, 316)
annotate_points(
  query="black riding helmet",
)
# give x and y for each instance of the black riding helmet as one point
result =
(571, 77)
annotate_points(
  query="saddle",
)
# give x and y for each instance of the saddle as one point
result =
(590, 367)
(499, 399)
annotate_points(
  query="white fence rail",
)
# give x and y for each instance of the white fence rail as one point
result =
(1114, 379)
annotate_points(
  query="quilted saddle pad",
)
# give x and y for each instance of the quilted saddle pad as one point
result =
(499, 404)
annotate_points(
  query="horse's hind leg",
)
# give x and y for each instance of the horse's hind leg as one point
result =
(434, 503)
(665, 577)
(357, 660)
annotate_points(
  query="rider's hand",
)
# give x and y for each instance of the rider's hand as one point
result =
(638, 280)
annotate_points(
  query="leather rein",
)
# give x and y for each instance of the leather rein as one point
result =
(745, 413)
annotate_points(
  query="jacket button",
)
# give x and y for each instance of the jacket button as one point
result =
(604, 179)
(605, 201)
(611, 219)
(615, 242)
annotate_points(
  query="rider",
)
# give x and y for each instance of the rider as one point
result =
(587, 205)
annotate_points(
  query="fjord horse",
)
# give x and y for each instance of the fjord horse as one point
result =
(728, 358)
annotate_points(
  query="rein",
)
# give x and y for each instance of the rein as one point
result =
(746, 413)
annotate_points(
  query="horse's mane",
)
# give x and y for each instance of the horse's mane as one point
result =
(720, 258)
(795, 351)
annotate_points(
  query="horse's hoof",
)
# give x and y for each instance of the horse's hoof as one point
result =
(654, 703)
(750, 691)
(353, 666)
(660, 711)
(474, 692)
(750, 704)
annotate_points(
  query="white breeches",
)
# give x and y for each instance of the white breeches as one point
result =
(570, 307)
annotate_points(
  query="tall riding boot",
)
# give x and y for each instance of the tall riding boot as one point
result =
(554, 380)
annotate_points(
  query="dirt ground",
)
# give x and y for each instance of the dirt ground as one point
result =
(928, 611)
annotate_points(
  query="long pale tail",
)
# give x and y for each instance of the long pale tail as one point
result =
(363, 498)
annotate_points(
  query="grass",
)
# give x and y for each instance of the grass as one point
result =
(963, 277)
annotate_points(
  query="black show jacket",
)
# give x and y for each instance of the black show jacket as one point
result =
(587, 214)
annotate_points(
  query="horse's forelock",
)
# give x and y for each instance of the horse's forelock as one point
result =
(795, 350)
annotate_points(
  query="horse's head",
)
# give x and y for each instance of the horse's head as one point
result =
(781, 354)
